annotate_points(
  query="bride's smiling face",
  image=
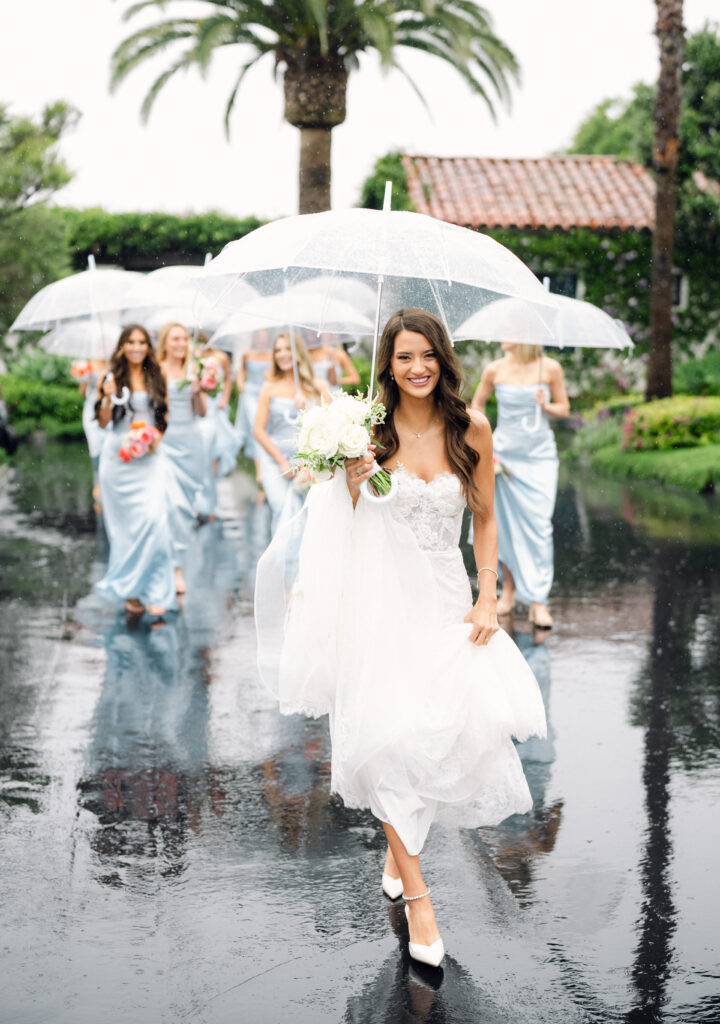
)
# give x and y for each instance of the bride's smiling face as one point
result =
(415, 364)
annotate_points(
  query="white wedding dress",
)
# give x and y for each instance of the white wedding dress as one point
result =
(360, 616)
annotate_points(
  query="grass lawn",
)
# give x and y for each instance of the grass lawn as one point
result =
(697, 469)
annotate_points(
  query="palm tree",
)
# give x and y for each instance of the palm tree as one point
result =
(317, 43)
(671, 37)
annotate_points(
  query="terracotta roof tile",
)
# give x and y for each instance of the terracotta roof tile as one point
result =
(563, 192)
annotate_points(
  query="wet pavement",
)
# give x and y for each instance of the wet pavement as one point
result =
(170, 852)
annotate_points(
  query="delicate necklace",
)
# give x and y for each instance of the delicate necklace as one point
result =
(419, 433)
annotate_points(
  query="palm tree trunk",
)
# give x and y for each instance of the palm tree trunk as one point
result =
(314, 176)
(671, 36)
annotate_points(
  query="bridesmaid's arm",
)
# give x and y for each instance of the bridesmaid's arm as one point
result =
(240, 380)
(222, 358)
(483, 614)
(199, 400)
(350, 376)
(483, 390)
(103, 407)
(260, 430)
(559, 406)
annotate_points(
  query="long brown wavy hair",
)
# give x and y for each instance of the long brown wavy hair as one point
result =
(462, 457)
(154, 381)
(304, 366)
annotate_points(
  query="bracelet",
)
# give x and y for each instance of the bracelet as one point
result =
(486, 568)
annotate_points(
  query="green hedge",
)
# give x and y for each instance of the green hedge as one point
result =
(679, 422)
(695, 469)
(32, 405)
(698, 376)
(142, 239)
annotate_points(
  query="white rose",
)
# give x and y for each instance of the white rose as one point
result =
(353, 441)
(323, 440)
(349, 410)
(309, 419)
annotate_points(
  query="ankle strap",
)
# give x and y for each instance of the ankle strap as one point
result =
(409, 898)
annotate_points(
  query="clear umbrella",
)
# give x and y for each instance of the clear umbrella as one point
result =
(573, 323)
(169, 293)
(82, 339)
(91, 293)
(408, 258)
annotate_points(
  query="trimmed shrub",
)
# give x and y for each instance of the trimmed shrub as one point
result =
(33, 405)
(679, 422)
(698, 376)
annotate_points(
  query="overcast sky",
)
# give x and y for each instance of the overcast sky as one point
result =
(572, 53)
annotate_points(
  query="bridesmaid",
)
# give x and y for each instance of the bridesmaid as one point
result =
(275, 422)
(89, 390)
(183, 442)
(140, 571)
(219, 438)
(333, 364)
(251, 377)
(529, 388)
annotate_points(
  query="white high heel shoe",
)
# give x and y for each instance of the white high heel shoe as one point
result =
(392, 887)
(431, 955)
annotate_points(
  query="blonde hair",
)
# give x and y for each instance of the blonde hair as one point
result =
(162, 341)
(527, 353)
(304, 366)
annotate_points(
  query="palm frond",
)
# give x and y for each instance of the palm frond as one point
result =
(182, 63)
(145, 44)
(238, 82)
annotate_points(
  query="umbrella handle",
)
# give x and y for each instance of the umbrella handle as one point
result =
(379, 499)
(291, 417)
(527, 426)
(124, 397)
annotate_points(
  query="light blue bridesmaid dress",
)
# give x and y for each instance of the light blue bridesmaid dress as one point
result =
(135, 513)
(184, 451)
(525, 491)
(255, 370)
(93, 431)
(282, 498)
(221, 444)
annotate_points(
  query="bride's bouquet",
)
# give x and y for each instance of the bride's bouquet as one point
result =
(337, 430)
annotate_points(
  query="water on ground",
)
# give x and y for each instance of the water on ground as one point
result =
(170, 852)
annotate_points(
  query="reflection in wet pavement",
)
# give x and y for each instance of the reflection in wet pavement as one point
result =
(171, 852)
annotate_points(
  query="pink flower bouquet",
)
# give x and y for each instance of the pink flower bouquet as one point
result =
(80, 369)
(140, 440)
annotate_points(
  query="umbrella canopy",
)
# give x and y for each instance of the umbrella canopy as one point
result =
(574, 324)
(419, 261)
(91, 293)
(170, 293)
(82, 339)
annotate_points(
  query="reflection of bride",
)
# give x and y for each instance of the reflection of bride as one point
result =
(517, 843)
(422, 706)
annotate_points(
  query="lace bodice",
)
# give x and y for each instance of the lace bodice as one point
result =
(433, 511)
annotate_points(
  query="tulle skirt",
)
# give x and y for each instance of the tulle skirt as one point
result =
(356, 621)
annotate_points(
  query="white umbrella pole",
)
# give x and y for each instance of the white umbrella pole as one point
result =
(531, 428)
(387, 199)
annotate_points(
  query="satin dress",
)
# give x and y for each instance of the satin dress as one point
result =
(221, 445)
(184, 450)
(255, 371)
(135, 514)
(525, 490)
(282, 426)
(93, 431)
(421, 720)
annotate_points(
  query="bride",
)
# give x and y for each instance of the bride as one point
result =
(423, 691)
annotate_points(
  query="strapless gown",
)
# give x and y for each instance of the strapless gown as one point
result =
(220, 443)
(184, 451)
(422, 721)
(135, 514)
(94, 433)
(283, 499)
(525, 491)
(255, 370)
